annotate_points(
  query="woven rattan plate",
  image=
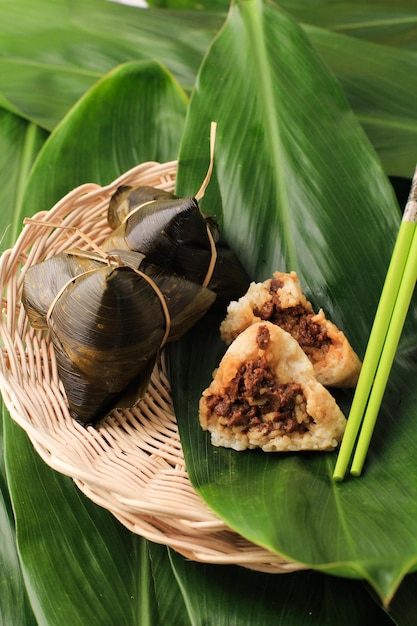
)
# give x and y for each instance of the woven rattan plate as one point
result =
(132, 463)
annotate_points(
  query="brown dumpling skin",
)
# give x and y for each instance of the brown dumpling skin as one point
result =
(265, 395)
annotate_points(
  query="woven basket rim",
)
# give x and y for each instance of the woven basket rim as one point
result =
(132, 463)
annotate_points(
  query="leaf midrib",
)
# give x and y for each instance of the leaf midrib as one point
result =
(375, 23)
(373, 120)
(256, 35)
(69, 69)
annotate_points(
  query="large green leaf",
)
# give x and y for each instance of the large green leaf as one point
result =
(297, 187)
(403, 607)
(144, 98)
(52, 52)
(51, 56)
(376, 81)
(199, 5)
(228, 596)
(171, 605)
(386, 22)
(20, 142)
(77, 559)
(14, 604)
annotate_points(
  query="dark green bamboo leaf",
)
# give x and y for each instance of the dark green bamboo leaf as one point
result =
(234, 596)
(198, 5)
(297, 186)
(376, 81)
(51, 54)
(281, 148)
(403, 607)
(48, 59)
(384, 22)
(14, 603)
(120, 121)
(80, 565)
(172, 609)
(20, 143)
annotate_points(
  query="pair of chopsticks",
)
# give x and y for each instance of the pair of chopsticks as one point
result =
(383, 342)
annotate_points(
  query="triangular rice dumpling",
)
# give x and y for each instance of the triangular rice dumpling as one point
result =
(265, 394)
(108, 318)
(280, 300)
(174, 234)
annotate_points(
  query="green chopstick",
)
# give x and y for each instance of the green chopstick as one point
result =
(387, 357)
(392, 309)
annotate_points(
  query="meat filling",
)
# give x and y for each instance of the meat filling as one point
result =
(296, 320)
(255, 399)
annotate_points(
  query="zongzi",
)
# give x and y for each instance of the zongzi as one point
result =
(265, 395)
(280, 300)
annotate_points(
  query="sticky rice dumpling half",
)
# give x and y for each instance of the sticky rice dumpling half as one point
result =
(265, 395)
(280, 300)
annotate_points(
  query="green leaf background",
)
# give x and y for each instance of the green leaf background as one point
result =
(109, 82)
(137, 99)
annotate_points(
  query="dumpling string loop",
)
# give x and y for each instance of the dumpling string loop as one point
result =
(104, 257)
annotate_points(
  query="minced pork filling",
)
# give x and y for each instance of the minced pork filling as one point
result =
(296, 320)
(256, 400)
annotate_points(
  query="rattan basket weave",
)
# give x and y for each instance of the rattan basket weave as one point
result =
(132, 463)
